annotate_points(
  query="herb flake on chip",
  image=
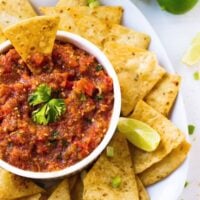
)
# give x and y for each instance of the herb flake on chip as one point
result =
(116, 182)
(110, 151)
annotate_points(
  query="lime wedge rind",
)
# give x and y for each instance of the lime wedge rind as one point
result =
(139, 134)
(177, 6)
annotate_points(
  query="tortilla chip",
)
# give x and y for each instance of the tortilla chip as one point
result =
(163, 95)
(2, 36)
(13, 186)
(42, 31)
(77, 191)
(61, 192)
(124, 35)
(166, 166)
(143, 194)
(15, 11)
(67, 22)
(92, 29)
(97, 183)
(70, 3)
(32, 197)
(171, 137)
(109, 14)
(138, 71)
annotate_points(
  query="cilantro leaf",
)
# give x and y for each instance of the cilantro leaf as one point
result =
(39, 116)
(50, 112)
(41, 95)
(55, 108)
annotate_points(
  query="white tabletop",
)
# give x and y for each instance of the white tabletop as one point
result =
(176, 32)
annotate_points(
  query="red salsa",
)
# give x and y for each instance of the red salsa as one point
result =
(74, 76)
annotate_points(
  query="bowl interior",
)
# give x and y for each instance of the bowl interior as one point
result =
(93, 50)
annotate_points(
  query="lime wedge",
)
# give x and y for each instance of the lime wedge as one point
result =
(139, 134)
(192, 56)
(177, 6)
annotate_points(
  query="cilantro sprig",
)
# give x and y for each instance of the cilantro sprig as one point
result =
(49, 110)
(41, 95)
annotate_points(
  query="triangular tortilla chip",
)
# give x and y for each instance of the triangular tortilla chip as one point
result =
(70, 3)
(32, 197)
(138, 71)
(2, 36)
(171, 137)
(14, 11)
(163, 95)
(124, 35)
(61, 192)
(166, 166)
(13, 186)
(34, 35)
(97, 183)
(143, 194)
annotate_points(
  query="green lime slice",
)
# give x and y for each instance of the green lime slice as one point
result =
(177, 6)
(192, 56)
(139, 134)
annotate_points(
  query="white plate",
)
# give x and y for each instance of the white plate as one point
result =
(171, 187)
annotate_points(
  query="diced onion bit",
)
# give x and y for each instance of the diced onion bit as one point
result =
(116, 182)
(110, 151)
(196, 76)
(191, 129)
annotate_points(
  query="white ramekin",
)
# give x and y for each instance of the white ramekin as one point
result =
(102, 59)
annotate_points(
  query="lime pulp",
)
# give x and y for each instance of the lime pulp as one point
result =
(139, 134)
